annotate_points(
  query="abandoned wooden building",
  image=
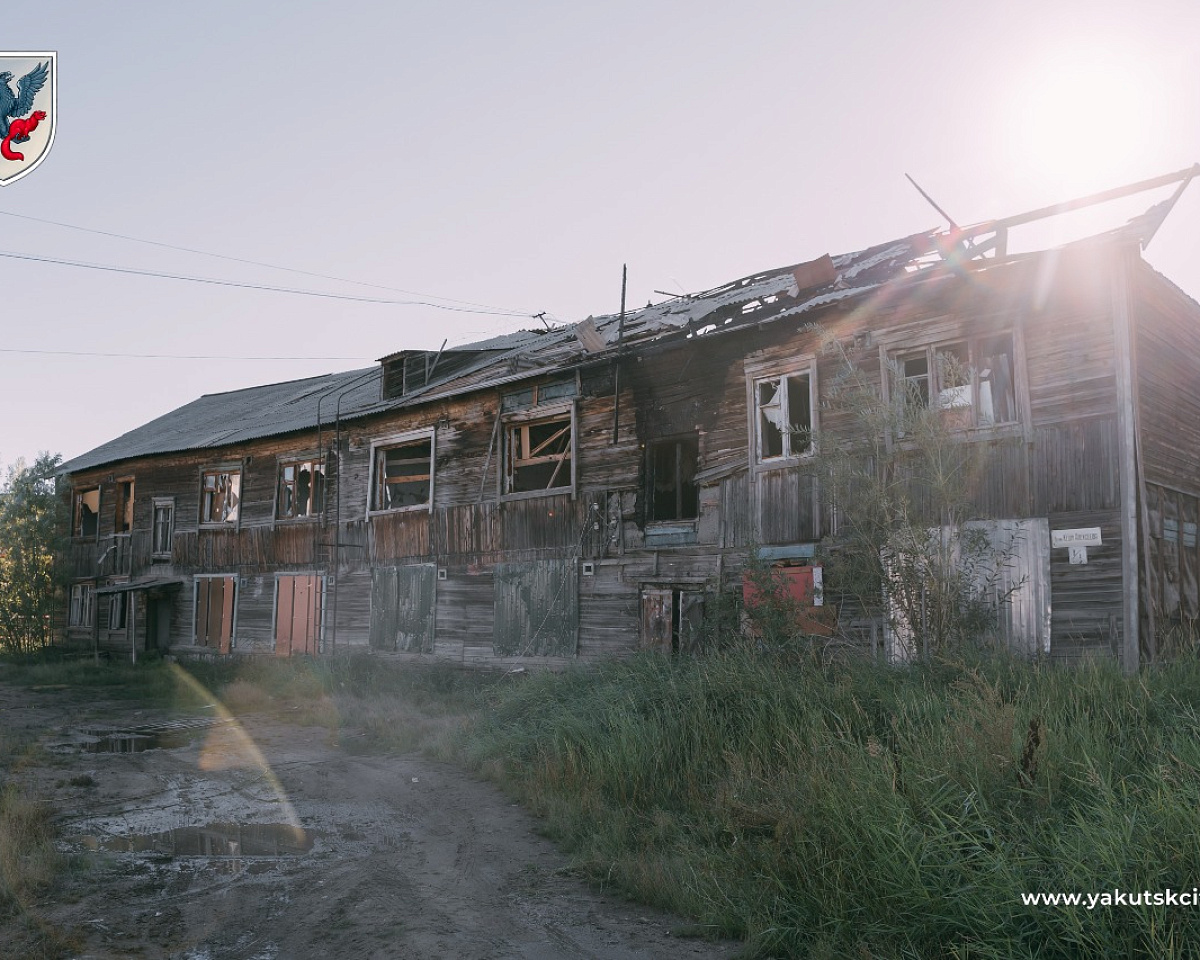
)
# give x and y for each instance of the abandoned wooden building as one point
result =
(579, 492)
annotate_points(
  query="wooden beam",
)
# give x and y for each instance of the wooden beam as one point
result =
(1126, 461)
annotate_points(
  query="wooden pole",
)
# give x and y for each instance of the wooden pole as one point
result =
(1126, 462)
(620, 346)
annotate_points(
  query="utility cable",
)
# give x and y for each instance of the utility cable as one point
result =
(172, 356)
(256, 263)
(259, 286)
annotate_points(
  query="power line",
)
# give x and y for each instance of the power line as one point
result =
(170, 356)
(259, 286)
(256, 263)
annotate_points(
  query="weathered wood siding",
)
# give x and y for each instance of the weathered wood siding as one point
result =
(498, 556)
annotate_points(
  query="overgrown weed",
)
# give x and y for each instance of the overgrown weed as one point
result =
(856, 809)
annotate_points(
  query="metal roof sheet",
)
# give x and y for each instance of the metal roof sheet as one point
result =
(223, 419)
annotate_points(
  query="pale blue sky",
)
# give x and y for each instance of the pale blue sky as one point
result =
(517, 154)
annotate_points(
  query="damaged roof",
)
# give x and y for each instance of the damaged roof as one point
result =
(223, 419)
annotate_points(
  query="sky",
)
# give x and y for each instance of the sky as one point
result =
(484, 163)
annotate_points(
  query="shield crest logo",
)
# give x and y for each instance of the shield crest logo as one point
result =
(28, 109)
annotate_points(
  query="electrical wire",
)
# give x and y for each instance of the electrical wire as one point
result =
(170, 356)
(256, 263)
(259, 286)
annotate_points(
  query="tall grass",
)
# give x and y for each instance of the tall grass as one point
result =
(853, 810)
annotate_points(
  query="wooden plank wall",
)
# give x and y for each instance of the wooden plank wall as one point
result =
(1062, 467)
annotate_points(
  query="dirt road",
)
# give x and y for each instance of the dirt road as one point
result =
(209, 839)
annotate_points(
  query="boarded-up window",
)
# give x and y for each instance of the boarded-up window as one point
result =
(402, 474)
(301, 489)
(216, 604)
(220, 496)
(536, 609)
(403, 607)
(670, 469)
(1174, 562)
(298, 610)
(1011, 574)
(87, 512)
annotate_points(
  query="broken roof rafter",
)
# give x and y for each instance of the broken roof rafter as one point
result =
(227, 419)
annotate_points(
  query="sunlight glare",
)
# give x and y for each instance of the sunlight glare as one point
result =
(1085, 119)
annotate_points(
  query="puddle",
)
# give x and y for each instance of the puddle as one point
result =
(213, 840)
(134, 742)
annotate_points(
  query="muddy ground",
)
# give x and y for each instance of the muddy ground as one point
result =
(207, 838)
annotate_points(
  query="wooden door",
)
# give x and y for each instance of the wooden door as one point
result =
(215, 598)
(658, 608)
(297, 614)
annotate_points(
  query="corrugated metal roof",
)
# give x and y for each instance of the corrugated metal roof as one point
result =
(222, 419)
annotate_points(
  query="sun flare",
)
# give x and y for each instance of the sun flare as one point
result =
(1087, 119)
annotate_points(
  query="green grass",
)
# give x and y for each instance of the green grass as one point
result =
(812, 810)
(854, 810)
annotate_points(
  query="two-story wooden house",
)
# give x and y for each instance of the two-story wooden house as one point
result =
(579, 492)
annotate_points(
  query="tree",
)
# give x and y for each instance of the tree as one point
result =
(33, 523)
(898, 478)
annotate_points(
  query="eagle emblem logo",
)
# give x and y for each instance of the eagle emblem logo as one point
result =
(28, 105)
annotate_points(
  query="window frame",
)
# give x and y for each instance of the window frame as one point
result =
(318, 464)
(893, 354)
(564, 411)
(391, 442)
(118, 600)
(86, 605)
(674, 440)
(123, 506)
(804, 366)
(76, 518)
(221, 469)
(157, 504)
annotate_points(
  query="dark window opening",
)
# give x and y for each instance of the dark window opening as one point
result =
(671, 468)
(403, 475)
(87, 512)
(123, 520)
(220, 496)
(539, 455)
(301, 489)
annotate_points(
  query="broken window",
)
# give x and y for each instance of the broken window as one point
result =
(670, 473)
(539, 454)
(402, 475)
(163, 529)
(80, 613)
(220, 496)
(972, 382)
(301, 489)
(123, 515)
(783, 416)
(86, 521)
